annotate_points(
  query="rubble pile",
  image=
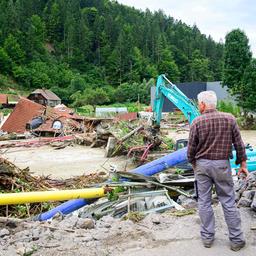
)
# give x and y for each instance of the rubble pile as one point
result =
(14, 179)
(246, 191)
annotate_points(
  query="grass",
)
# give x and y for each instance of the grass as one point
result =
(134, 216)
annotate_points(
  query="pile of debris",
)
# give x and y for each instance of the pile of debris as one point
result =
(246, 191)
(129, 192)
(14, 179)
(134, 138)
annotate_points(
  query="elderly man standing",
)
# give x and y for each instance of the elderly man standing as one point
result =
(209, 149)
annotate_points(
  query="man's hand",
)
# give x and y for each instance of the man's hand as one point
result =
(243, 169)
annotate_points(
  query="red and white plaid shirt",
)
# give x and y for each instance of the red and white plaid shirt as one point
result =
(211, 137)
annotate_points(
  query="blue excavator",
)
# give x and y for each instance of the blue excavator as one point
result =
(166, 89)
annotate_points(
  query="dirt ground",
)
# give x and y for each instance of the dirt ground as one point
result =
(66, 162)
(157, 234)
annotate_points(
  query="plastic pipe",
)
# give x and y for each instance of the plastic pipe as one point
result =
(44, 196)
(65, 208)
(162, 163)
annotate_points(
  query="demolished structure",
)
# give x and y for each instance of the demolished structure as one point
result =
(41, 120)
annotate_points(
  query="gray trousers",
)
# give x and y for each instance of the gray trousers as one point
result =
(218, 172)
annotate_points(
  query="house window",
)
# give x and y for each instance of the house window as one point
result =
(57, 125)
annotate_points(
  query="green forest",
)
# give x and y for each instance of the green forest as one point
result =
(99, 51)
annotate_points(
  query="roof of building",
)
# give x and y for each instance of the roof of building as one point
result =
(3, 99)
(23, 113)
(49, 95)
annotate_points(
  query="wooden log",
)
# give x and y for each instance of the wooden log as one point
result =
(127, 136)
(110, 146)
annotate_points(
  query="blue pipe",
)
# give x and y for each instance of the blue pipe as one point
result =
(162, 163)
(64, 209)
(148, 169)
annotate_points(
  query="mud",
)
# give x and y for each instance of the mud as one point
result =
(66, 162)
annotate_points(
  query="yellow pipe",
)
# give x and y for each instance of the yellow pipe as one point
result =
(44, 196)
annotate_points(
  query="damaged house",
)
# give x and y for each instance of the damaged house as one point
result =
(45, 97)
(42, 120)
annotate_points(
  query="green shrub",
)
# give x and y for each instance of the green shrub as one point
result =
(86, 110)
(229, 107)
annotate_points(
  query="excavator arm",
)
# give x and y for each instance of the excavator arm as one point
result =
(165, 88)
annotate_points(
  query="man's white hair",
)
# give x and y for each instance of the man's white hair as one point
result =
(209, 98)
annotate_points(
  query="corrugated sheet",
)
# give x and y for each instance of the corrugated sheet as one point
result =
(108, 112)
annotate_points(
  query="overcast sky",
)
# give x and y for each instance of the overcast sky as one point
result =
(214, 17)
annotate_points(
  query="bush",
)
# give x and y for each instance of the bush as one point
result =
(229, 107)
(86, 110)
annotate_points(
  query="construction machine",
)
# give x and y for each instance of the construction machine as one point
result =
(166, 89)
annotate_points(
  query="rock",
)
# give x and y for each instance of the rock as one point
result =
(107, 221)
(154, 218)
(244, 202)
(85, 223)
(23, 233)
(4, 232)
(187, 202)
(20, 248)
(36, 234)
(248, 194)
(87, 238)
(99, 236)
(69, 222)
(253, 205)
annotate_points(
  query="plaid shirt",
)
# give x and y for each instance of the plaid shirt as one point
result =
(211, 136)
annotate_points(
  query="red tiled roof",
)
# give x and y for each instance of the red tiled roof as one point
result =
(3, 99)
(23, 113)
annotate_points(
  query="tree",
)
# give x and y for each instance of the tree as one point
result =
(35, 37)
(237, 57)
(93, 97)
(54, 26)
(247, 99)
(168, 66)
(77, 84)
(13, 49)
(53, 42)
(199, 67)
(5, 61)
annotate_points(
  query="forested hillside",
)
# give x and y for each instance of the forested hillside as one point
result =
(99, 51)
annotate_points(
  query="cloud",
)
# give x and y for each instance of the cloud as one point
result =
(212, 17)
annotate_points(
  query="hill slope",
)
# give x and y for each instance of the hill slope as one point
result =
(99, 48)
